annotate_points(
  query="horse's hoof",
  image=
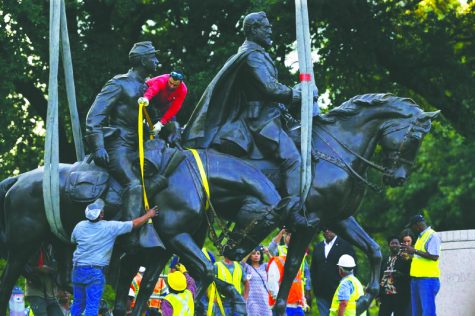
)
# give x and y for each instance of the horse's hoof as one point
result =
(363, 304)
(279, 308)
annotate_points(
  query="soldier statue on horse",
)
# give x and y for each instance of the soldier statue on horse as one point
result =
(239, 136)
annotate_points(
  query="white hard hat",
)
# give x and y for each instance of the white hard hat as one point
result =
(142, 269)
(346, 261)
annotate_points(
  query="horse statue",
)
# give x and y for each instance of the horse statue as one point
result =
(343, 142)
(239, 192)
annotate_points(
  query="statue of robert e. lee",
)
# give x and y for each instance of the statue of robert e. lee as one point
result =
(111, 133)
(240, 111)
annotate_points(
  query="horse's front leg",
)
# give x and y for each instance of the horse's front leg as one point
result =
(154, 264)
(128, 268)
(64, 257)
(350, 230)
(195, 260)
(295, 253)
(254, 222)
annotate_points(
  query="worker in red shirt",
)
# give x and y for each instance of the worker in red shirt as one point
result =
(169, 91)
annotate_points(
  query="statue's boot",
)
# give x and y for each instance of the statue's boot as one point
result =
(146, 236)
(290, 171)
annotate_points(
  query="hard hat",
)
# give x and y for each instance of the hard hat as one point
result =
(177, 281)
(346, 261)
(93, 210)
(142, 269)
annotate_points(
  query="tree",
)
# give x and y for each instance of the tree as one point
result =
(423, 49)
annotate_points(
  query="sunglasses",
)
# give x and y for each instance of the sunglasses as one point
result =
(177, 76)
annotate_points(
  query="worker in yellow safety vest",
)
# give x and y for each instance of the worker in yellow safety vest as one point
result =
(234, 273)
(425, 272)
(180, 300)
(348, 291)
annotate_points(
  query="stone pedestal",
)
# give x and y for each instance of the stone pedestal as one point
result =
(457, 279)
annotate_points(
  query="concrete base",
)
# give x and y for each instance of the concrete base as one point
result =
(457, 279)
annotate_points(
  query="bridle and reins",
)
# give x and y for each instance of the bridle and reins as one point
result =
(394, 157)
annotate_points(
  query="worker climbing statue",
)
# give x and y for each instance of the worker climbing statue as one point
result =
(111, 133)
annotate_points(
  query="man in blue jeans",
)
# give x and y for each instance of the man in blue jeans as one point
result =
(95, 239)
(425, 270)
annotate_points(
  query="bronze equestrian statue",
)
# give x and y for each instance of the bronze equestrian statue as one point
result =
(239, 192)
(240, 111)
(111, 133)
(397, 124)
(239, 114)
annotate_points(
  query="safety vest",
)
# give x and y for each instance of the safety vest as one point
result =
(225, 275)
(351, 306)
(157, 295)
(135, 286)
(182, 303)
(282, 250)
(423, 267)
(296, 290)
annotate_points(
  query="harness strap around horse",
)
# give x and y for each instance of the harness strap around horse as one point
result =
(141, 155)
(204, 181)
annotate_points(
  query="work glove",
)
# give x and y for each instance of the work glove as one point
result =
(143, 101)
(157, 127)
(101, 157)
(180, 267)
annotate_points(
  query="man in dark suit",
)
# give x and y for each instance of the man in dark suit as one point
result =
(323, 270)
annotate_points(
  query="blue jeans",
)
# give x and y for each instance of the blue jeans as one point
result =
(294, 311)
(423, 292)
(88, 285)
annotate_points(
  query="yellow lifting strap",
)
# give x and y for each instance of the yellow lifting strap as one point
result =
(149, 122)
(204, 179)
(141, 155)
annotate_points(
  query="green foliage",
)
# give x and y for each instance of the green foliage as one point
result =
(421, 49)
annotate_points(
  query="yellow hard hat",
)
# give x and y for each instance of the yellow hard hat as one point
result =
(177, 281)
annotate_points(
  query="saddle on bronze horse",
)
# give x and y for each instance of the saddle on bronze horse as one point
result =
(87, 182)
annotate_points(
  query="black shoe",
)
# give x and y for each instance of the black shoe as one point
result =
(298, 222)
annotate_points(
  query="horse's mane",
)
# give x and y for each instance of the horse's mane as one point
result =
(354, 105)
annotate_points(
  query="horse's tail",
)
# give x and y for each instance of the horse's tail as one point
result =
(5, 185)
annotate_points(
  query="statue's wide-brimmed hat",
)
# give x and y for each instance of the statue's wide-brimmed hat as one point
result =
(141, 49)
(93, 210)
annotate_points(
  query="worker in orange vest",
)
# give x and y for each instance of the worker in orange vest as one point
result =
(296, 302)
(159, 292)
